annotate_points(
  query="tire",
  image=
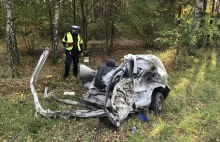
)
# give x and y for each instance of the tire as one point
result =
(157, 103)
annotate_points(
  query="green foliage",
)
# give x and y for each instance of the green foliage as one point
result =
(97, 30)
(2, 21)
(66, 20)
(31, 43)
(147, 19)
(31, 18)
(184, 35)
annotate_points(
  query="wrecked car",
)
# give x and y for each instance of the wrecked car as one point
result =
(139, 82)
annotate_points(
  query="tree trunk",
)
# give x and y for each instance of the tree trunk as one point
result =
(93, 15)
(109, 16)
(106, 19)
(204, 12)
(74, 11)
(112, 30)
(211, 21)
(196, 25)
(55, 31)
(11, 42)
(198, 13)
(179, 12)
(217, 9)
(112, 35)
(212, 12)
(51, 21)
(84, 24)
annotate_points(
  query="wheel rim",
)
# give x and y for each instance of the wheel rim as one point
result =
(160, 104)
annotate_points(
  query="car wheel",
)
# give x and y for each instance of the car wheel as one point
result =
(157, 103)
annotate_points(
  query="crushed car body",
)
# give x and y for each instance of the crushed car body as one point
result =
(140, 81)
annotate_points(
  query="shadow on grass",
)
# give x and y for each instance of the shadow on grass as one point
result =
(196, 107)
(190, 101)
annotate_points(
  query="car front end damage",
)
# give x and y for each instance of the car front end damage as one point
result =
(139, 82)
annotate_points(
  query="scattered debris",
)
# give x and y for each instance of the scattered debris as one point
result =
(13, 138)
(133, 129)
(69, 93)
(139, 82)
(142, 117)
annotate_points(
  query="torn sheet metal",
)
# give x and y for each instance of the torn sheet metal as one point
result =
(128, 87)
(146, 73)
(49, 113)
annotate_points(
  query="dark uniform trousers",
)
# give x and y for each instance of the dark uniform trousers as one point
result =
(71, 56)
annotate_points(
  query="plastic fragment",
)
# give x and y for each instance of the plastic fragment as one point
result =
(69, 93)
(133, 129)
(142, 117)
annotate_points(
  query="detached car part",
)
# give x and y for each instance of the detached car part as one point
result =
(139, 82)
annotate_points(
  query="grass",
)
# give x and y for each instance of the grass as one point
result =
(191, 112)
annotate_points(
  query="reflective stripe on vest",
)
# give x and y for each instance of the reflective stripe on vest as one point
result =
(79, 42)
(70, 40)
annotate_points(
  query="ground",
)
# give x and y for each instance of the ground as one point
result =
(191, 111)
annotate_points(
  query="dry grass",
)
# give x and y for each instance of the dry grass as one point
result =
(191, 108)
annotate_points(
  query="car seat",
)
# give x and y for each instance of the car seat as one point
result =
(102, 71)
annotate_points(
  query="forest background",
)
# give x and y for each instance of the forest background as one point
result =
(184, 34)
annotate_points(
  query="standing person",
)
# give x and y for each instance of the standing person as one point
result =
(73, 44)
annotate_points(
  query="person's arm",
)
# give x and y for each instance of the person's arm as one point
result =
(81, 47)
(81, 44)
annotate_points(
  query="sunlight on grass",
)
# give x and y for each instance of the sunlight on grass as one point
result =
(186, 125)
(213, 60)
(166, 57)
(201, 73)
(192, 99)
(182, 83)
(191, 110)
(158, 128)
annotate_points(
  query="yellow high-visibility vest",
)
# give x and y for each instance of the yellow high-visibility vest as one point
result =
(70, 40)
